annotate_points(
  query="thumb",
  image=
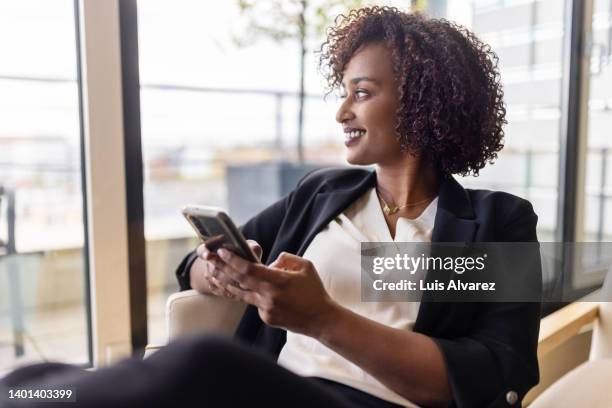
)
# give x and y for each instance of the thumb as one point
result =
(286, 260)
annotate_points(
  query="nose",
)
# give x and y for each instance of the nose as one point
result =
(344, 112)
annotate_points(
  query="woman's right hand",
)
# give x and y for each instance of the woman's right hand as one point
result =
(206, 276)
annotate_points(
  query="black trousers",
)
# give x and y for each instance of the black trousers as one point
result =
(203, 371)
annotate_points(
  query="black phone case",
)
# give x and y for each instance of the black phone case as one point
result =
(220, 232)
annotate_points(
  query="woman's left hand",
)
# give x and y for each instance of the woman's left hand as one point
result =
(288, 293)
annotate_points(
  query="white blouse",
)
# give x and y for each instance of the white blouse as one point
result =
(336, 254)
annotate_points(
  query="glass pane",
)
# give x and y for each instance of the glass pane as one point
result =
(598, 186)
(599, 160)
(42, 270)
(528, 37)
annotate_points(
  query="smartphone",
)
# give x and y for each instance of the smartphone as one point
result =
(217, 230)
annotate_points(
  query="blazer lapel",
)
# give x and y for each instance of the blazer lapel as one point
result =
(455, 217)
(328, 205)
(455, 222)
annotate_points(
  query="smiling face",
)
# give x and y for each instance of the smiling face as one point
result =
(368, 113)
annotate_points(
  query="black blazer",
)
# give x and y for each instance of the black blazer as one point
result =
(489, 348)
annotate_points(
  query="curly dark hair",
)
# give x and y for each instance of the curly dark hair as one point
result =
(451, 108)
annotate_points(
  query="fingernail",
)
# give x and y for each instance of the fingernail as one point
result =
(222, 253)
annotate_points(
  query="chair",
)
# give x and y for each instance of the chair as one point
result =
(190, 311)
(589, 384)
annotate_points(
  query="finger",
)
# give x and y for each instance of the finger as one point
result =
(213, 287)
(255, 247)
(220, 268)
(248, 274)
(217, 267)
(232, 260)
(215, 242)
(223, 279)
(245, 296)
(201, 250)
(204, 253)
(222, 289)
(216, 271)
(285, 260)
(230, 276)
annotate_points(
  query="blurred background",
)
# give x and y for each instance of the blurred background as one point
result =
(230, 95)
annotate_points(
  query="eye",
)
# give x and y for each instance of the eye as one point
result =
(358, 94)
(361, 93)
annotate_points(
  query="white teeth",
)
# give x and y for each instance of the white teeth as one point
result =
(354, 133)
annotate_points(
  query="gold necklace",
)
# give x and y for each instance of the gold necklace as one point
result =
(392, 210)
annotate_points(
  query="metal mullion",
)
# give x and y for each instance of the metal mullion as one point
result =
(573, 135)
(128, 19)
(86, 282)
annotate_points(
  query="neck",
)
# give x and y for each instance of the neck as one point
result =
(410, 182)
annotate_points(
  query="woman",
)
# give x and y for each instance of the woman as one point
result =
(421, 101)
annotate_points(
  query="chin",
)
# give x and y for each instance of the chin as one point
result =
(358, 160)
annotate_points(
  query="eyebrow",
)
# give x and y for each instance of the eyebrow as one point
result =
(356, 80)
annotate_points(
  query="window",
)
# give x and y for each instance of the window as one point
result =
(597, 207)
(528, 38)
(43, 311)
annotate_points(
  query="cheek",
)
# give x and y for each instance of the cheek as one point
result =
(384, 120)
(390, 111)
(383, 114)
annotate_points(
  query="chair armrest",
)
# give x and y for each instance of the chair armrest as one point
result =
(191, 311)
(561, 325)
(601, 346)
(150, 349)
